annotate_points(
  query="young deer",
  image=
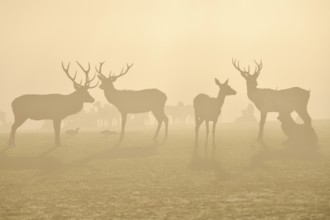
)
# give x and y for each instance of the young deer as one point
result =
(52, 106)
(208, 109)
(269, 100)
(129, 101)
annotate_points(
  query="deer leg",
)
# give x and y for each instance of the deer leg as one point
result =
(166, 126)
(123, 124)
(57, 128)
(303, 114)
(18, 122)
(263, 116)
(207, 136)
(213, 137)
(159, 121)
(198, 124)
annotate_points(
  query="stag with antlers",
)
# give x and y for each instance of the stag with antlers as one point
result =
(208, 109)
(269, 100)
(52, 106)
(129, 101)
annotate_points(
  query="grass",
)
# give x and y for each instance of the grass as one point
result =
(88, 179)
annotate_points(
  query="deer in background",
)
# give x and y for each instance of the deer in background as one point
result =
(52, 106)
(208, 109)
(129, 101)
(269, 100)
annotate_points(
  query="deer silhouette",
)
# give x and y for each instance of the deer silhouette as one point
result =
(208, 109)
(129, 101)
(52, 106)
(269, 100)
(299, 135)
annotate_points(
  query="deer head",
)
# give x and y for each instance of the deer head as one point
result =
(81, 89)
(224, 88)
(251, 79)
(107, 81)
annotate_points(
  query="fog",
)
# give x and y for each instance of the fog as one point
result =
(197, 149)
(178, 47)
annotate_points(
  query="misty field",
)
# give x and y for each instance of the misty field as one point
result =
(87, 178)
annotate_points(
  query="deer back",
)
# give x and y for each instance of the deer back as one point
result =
(50, 106)
(131, 101)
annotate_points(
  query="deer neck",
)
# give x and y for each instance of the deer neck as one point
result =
(75, 102)
(112, 95)
(252, 92)
(220, 99)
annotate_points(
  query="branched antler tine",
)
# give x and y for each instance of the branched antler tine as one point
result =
(85, 71)
(66, 70)
(258, 67)
(99, 71)
(75, 75)
(121, 72)
(100, 68)
(126, 71)
(247, 72)
(88, 80)
(236, 65)
(91, 87)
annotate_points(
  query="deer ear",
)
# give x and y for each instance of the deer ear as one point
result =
(217, 82)
(226, 83)
(100, 77)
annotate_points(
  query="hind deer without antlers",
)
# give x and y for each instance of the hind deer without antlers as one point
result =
(129, 101)
(53, 106)
(208, 109)
(269, 100)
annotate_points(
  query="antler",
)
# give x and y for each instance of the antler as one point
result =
(123, 73)
(99, 71)
(88, 80)
(244, 73)
(258, 68)
(66, 70)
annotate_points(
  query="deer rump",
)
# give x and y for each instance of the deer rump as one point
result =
(285, 100)
(130, 101)
(40, 107)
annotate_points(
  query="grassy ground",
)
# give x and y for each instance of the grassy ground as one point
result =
(88, 179)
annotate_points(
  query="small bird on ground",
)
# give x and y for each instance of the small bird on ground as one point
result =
(72, 132)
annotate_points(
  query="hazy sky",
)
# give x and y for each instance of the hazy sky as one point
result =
(177, 46)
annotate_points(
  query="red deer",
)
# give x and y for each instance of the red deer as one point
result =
(299, 135)
(129, 101)
(52, 106)
(208, 109)
(270, 100)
